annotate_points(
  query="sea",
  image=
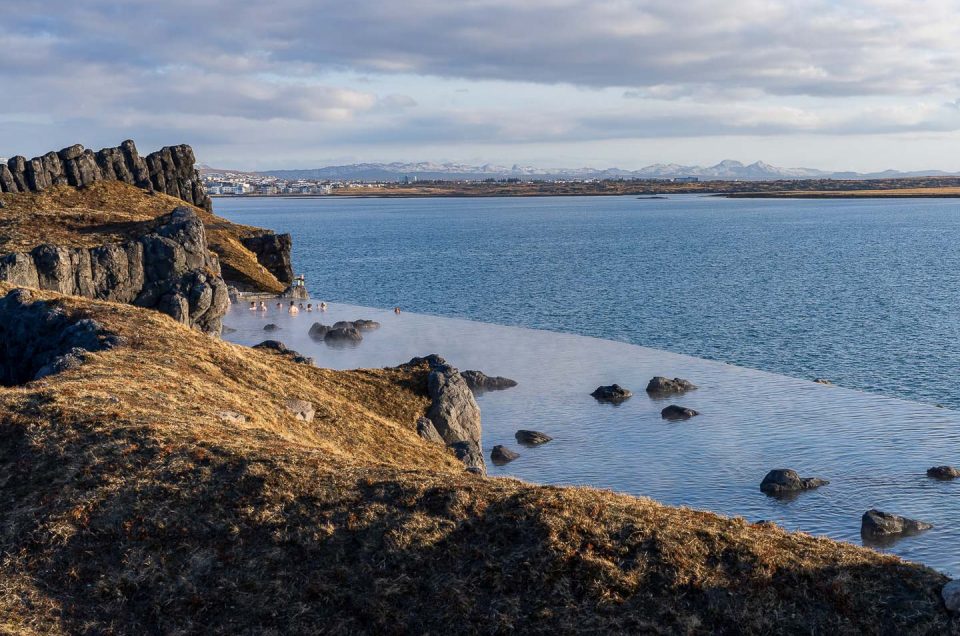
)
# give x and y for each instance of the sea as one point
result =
(751, 299)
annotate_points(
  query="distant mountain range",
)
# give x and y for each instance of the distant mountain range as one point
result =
(725, 170)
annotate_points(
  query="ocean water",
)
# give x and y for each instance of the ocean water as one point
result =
(874, 450)
(864, 293)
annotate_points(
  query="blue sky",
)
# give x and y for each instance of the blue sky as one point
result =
(862, 85)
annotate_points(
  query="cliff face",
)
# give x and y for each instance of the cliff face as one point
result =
(169, 170)
(273, 252)
(169, 269)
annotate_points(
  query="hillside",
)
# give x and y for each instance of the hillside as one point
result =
(165, 486)
(113, 211)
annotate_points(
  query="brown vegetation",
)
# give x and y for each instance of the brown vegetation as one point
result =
(111, 211)
(134, 501)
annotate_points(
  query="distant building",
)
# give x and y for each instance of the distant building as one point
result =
(685, 179)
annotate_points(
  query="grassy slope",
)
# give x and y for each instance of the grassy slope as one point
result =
(129, 506)
(113, 211)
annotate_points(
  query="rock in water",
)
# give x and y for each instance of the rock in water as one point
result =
(951, 596)
(612, 393)
(823, 381)
(783, 480)
(366, 325)
(318, 331)
(531, 438)
(674, 412)
(479, 381)
(502, 455)
(876, 525)
(943, 472)
(665, 386)
(343, 335)
(271, 327)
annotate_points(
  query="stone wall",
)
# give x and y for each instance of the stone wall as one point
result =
(170, 269)
(169, 170)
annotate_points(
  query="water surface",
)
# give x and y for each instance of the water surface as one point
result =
(873, 449)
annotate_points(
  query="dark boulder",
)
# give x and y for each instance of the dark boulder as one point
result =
(877, 525)
(943, 472)
(674, 412)
(501, 455)
(478, 381)
(366, 325)
(343, 335)
(271, 327)
(273, 252)
(612, 393)
(664, 386)
(469, 453)
(281, 349)
(531, 438)
(318, 331)
(783, 480)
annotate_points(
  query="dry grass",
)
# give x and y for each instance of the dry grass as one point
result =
(110, 211)
(130, 506)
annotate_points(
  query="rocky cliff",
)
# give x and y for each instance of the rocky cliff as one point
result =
(273, 252)
(169, 170)
(169, 269)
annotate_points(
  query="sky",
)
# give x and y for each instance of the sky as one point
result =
(829, 84)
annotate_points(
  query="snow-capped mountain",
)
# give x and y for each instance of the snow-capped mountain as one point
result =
(727, 169)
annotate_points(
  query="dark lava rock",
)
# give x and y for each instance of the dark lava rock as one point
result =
(823, 381)
(531, 438)
(664, 386)
(877, 525)
(271, 327)
(366, 325)
(674, 412)
(278, 347)
(612, 393)
(469, 453)
(318, 331)
(39, 339)
(783, 480)
(343, 334)
(501, 455)
(479, 381)
(943, 472)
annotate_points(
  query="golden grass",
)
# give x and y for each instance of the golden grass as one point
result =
(110, 211)
(130, 506)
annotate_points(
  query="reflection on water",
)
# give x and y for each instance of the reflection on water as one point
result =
(874, 450)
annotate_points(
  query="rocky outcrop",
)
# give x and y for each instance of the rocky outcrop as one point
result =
(170, 170)
(612, 393)
(478, 381)
(660, 385)
(170, 270)
(781, 481)
(38, 339)
(531, 438)
(273, 252)
(279, 348)
(427, 431)
(453, 411)
(878, 525)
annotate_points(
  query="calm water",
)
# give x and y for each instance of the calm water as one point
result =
(865, 293)
(874, 450)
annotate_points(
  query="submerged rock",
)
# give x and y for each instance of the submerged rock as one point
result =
(943, 472)
(500, 455)
(271, 327)
(343, 335)
(366, 325)
(783, 480)
(318, 331)
(665, 386)
(479, 381)
(877, 525)
(674, 412)
(531, 438)
(611, 393)
(823, 381)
